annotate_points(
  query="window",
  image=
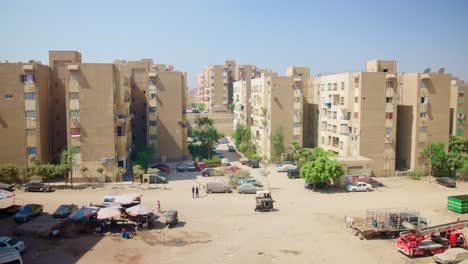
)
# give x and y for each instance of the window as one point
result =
(342, 101)
(152, 123)
(74, 77)
(423, 84)
(27, 78)
(423, 130)
(74, 114)
(151, 82)
(423, 115)
(389, 84)
(30, 132)
(385, 70)
(152, 109)
(30, 114)
(342, 85)
(74, 96)
(356, 114)
(29, 96)
(323, 87)
(76, 149)
(423, 99)
(388, 130)
(356, 99)
(329, 87)
(120, 131)
(388, 115)
(335, 86)
(8, 96)
(297, 124)
(356, 83)
(389, 99)
(297, 99)
(153, 95)
(31, 150)
(153, 137)
(75, 132)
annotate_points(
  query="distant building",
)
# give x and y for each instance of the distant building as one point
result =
(458, 108)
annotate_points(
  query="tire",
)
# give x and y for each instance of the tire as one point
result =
(367, 190)
(209, 191)
(353, 190)
(26, 190)
(227, 191)
(427, 253)
(43, 190)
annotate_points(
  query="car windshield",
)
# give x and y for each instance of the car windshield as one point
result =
(26, 209)
(12, 242)
(62, 207)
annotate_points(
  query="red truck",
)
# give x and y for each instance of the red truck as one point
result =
(432, 240)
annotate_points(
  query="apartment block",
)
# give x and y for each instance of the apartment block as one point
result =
(378, 114)
(423, 116)
(276, 103)
(24, 113)
(458, 108)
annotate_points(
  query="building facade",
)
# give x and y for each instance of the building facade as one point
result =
(24, 113)
(458, 108)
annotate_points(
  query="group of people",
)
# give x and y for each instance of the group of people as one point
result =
(195, 192)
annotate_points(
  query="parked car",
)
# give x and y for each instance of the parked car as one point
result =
(447, 182)
(64, 210)
(253, 164)
(7, 187)
(286, 167)
(10, 242)
(156, 178)
(195, 111)
(231, 149)
(451, 255)
(181, 167)
(217, 187)
(200, 165)
(247, 188)
(191, 167)
(10, 255)
(358, 187)
(172, 218)
(35, 187)
(28, 212)
(231, 169)
(252, 181)
(223, 141)
(285, 162)
(318, 185)
(221, 156)
(225, 162)
(208, 172)
(162, 167)
(243, 161)
(293, 174)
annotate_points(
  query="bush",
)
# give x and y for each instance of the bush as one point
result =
(416, 175)
(221, 134)
(214, 162)
(235, 176)
(253, 156)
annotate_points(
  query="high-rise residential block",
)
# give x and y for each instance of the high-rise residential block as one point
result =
(458, 108)
(24, 113)
(276, 103)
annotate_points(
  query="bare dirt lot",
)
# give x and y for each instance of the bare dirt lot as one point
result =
(307, 227)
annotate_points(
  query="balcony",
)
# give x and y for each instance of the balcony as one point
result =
(425, 76)
(151, 75)
(29, 68)
(73, 67)
(391, 76)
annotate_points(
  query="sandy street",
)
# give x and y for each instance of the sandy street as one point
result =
(307, 227)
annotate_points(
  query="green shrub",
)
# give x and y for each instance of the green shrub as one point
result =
(221, 134)
(253, 156)
(416, 174)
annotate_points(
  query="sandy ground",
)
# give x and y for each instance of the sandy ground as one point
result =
(307, 226)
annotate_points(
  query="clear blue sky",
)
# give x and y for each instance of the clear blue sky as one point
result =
(328, 36)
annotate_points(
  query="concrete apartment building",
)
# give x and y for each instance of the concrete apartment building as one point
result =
(378, 114)
(458, 108)
(24, 113)
(276, 103)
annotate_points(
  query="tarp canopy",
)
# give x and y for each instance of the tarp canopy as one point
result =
(127, 198)
(82, 213)
(6, 194)
(108, 212)
(138, 210)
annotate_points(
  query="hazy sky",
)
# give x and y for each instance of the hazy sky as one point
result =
(328, 36)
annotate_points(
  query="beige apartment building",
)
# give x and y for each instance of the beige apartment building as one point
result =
(276, 103)
(24, 113)
(458, 108)
(378, 114)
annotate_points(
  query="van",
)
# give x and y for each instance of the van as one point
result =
(217, 187)
(9, 255)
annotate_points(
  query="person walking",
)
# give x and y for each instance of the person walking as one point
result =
(196, 192)
(193, 191)
(159, 206)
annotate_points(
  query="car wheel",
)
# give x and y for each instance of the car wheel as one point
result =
(227, 191)
(209, 191)
(44, 190)
(367, 190)
(26, 189)
(353, 190)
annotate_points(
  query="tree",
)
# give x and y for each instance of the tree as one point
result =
(201, 107)
(322, 169)
(138, 171)
(277, 142)
(443, 164)
(194, 105)
(231, 108)
(144, 155)
(208, 138)
(152, 171)
(458, 144)
(203, 122)
(65, 157)
(120, 172)
(9, 173)
(296, 147)
(25, 172)
(46, 171)
(100, 170)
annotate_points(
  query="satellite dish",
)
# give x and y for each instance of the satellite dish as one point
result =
(428, 70)
(441, 70)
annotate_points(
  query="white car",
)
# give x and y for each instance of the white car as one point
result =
(358, 187)
(452, 255)
(286, 167)
(10, 242)
(225, 162)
